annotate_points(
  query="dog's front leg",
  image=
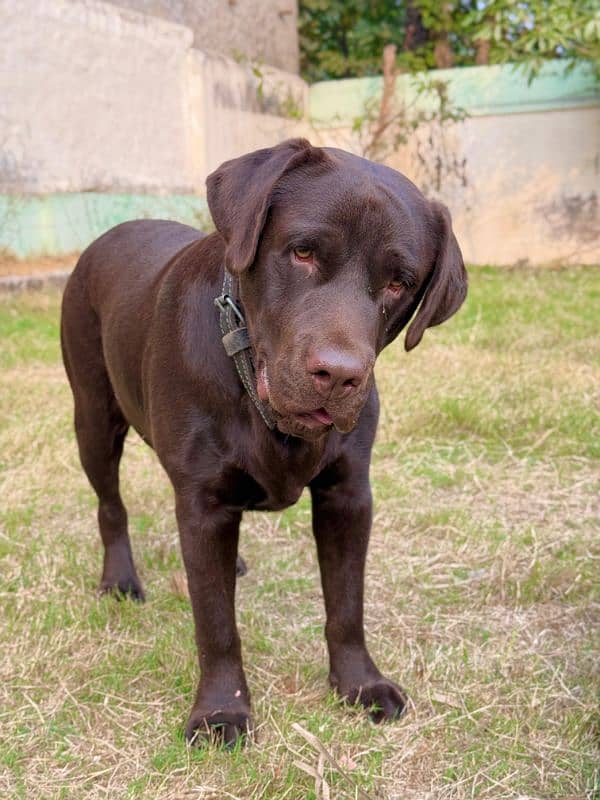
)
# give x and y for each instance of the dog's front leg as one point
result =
(342, 511)
(209, 540)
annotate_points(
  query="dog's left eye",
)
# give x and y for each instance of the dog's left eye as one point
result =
(394, 287)
(303, 253)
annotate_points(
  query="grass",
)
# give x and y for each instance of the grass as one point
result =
(482, 588)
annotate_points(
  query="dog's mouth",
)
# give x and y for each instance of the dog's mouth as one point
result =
(308, 424)
(304, 426)
(316, 418)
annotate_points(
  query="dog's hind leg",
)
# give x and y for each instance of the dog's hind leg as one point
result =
(100, 428)
(100, 448)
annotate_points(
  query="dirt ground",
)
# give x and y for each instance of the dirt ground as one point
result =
(10, 266)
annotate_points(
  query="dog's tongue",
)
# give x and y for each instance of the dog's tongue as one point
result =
(322, 416)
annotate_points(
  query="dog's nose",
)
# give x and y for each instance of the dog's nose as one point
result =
(336, 373)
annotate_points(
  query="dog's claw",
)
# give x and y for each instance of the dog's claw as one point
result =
(383, 699)
(221, 728)
(129, 588)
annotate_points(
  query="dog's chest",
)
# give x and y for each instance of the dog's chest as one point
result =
(261, 493)
(277, 497)
(274, 478)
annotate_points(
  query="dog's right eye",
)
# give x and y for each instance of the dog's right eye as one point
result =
(303, 253)
(395, 287)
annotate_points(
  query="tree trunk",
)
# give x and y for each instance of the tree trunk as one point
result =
(442, 53)
(482, 51)
(415, 34)
(386, 108)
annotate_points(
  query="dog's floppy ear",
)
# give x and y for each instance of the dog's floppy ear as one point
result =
(240, 191)
(447, 285)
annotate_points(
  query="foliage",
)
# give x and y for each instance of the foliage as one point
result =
(532, 32)
(344, 39)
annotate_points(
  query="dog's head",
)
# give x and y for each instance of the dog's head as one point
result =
(334, 255)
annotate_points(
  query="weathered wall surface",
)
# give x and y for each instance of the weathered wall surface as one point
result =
(527, 185)
(107, 114)
(98, 98)
(66, 222)
(90, 99)
(262, 31)
(242, 112)
(104, 111)
(531, 192)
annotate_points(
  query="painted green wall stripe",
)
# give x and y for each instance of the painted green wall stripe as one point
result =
(480, 91)
(63, 223)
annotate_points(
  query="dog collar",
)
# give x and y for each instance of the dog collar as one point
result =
(236, 342)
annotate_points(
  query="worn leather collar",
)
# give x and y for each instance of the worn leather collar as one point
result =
(236, 342)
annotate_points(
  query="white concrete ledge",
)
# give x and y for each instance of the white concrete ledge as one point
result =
(23, 283)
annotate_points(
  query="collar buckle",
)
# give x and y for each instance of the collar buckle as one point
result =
(225, 301)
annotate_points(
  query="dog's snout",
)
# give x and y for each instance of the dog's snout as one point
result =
(336, 373)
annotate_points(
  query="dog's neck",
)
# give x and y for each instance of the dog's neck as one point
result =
(238, 346)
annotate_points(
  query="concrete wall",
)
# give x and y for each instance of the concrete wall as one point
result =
(531, 192)
(107, 114)
(62, 223)
(91, 98)
(264, 31)
(240, 111)
(528, 190)
(97, 98)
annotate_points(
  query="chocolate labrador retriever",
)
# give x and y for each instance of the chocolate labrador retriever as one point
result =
(245, 359)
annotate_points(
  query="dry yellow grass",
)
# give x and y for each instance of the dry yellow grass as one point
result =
(482, 583)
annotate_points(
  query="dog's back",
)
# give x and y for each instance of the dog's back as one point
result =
(128, 257)
(109, 299)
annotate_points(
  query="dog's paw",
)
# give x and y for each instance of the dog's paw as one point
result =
(223, 728)
(241, 568)
(123, 588)
(383, 699)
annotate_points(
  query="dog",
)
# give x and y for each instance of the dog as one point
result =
(245, 359)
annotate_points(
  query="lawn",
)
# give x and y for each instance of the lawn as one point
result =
(482, 594)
